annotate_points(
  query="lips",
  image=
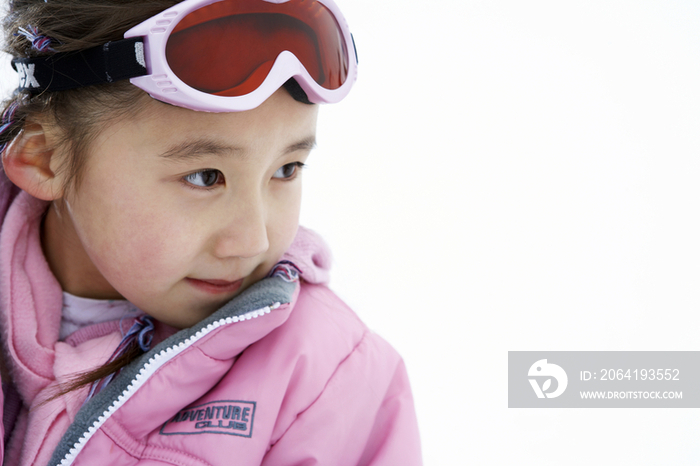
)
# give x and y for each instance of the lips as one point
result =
(215, 286)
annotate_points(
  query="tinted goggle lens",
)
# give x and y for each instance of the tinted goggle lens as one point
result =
(228, 48)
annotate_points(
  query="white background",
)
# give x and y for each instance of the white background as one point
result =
(518, 175)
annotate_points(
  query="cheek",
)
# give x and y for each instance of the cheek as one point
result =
(284, 223)
(130, 239)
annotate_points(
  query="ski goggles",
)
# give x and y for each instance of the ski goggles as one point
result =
(215, 55)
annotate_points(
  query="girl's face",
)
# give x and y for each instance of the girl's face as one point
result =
(178, 211)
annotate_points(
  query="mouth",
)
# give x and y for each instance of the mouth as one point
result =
(215, 286)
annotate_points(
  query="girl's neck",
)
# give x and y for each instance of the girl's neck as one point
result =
(68, 259)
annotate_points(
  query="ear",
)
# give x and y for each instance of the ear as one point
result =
(31, 160)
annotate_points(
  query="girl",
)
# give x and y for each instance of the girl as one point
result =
(160, 303)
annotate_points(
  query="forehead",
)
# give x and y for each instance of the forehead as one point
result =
(175, 133)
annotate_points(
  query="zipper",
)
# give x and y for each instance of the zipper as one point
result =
(148, 369)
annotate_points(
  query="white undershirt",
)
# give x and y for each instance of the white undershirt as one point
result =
(80, 312)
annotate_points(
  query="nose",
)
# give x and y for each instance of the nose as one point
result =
(243, 231)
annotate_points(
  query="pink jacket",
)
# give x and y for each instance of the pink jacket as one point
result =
(284, 374)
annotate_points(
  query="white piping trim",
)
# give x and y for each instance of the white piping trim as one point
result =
(149, 369)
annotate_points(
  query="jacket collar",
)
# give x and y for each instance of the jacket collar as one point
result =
(222, 337)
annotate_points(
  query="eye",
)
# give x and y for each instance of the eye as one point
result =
(288, 171)
(205, 178)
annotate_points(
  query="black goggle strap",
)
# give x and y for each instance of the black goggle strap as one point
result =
(106, 63)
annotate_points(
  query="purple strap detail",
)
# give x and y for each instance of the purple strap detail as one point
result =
(142, 329)
(39, 42)
(142, 332)
(8, 117)
(285, 270)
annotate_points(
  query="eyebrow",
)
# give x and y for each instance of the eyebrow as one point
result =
(305, 144)
(192, 150)
(196, 149)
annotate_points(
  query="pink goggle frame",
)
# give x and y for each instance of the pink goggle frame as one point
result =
(194, 47)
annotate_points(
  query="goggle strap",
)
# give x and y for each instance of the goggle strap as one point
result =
(110, 62)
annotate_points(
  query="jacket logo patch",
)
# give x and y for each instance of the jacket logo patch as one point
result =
(217, 417)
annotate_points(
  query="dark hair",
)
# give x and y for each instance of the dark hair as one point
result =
(36, 28)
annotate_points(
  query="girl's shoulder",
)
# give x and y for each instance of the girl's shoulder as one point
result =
(286, 372)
